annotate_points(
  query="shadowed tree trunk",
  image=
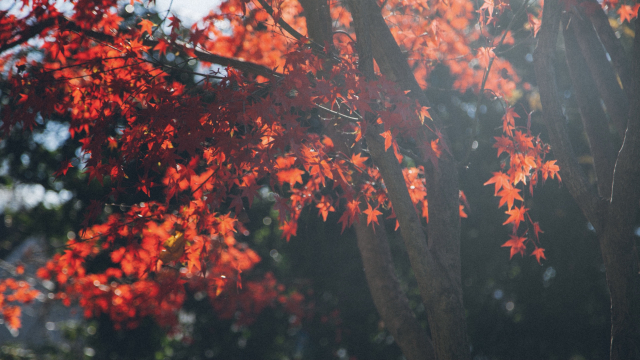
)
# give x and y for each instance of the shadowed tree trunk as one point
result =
(612, 205)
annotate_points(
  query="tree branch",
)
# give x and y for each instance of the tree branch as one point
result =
(27, 34)
(592, 114)
(544, 57)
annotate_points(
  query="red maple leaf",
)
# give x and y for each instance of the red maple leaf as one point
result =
(66, 165)
(162, 46)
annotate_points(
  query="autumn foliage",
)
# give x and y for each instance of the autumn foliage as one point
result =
(288, 116)
(526, 167)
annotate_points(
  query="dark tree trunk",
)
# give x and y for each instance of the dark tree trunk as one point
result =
(613, 208)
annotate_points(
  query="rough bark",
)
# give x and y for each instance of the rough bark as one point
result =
(435, 269)
(614, 219)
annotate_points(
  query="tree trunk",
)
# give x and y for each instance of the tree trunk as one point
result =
(614, 210)
(436, 264)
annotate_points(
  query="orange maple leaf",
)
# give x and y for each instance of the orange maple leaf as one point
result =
(516, 215)
(372, 214)
(628, 13)
(509, 121)
(358, 161)
(538, 253)
(504, 144)
(509, 195)
(462, 213)
(324, 206)
(289, 228)
(387, 139)
(350, 215)
(500, 180)
(424, 113)
(292, 176)
(146, 26)
(517, 245)
(536, 229)
(550, 169)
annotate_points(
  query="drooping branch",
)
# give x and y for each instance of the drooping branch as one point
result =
(387, 294)
(544, 66)
(612, 95)
(592, 114)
